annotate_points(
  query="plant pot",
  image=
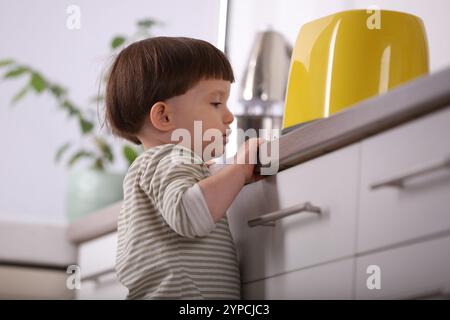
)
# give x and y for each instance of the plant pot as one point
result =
(90, 190)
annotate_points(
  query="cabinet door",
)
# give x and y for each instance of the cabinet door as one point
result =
(104, 287)
(420, 270)
(98, 255)
(19, 282)
(329, 281)
(97, 259)
(405, 183)
(303, 238)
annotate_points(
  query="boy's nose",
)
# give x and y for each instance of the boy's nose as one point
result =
(228, 117)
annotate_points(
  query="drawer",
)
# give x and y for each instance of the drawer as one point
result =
(104, 287)
(420, 270)
(329, 281)
(18, 282)
(393, 209)
(304, 238)
(98, 256)
(31, 243)
(97, 260)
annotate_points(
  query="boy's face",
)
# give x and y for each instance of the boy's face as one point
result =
(203, 111)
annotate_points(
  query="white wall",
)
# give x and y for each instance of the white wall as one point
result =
(32, 187)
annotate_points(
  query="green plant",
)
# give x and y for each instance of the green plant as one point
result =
(101, 154)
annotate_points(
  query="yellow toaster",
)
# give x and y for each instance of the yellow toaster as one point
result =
(349, 56)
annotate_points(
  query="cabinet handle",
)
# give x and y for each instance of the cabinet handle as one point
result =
(97, 276)
(399, 180)
(270, 218)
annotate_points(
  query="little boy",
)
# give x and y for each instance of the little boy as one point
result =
(173, 236)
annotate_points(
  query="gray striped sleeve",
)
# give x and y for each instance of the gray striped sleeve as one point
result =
(195, 207)
(166, 184)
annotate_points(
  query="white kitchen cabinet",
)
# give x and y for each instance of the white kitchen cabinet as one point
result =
(97, 256)
(103, 287)
(33, 260)
(419, 270)
(96, 260)
(392, 212)
(27, 282)
(387, 204)
(329, 281)
(35, 244)
(303, 238)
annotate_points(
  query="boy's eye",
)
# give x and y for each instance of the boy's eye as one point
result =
(216, 104)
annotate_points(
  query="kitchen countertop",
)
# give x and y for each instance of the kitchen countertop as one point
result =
(402, 104)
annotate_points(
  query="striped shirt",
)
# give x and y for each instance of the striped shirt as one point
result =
(167, 250)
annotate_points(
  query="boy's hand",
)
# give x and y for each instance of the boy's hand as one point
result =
(222, 187)
(246, 157)
(209, 163)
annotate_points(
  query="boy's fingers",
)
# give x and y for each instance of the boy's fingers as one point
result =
(261, 141)
(209, 163)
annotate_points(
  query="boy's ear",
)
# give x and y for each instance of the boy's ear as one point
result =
(160, 116)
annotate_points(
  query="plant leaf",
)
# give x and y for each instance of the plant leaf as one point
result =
(6, 62)
(57, 90)
(98, 165)
(130, 154)
(117, 41)
(37, 82)
(86, 126)
(60, 151)
(70, 108)
(15, 72)
(146, 23)
(78, 155)
(104, 148)
(19, 95)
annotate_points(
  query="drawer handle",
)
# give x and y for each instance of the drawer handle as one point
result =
(399, 180)
(270, 218)
(97, 276)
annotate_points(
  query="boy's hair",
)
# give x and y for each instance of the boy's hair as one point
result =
(153, 70)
